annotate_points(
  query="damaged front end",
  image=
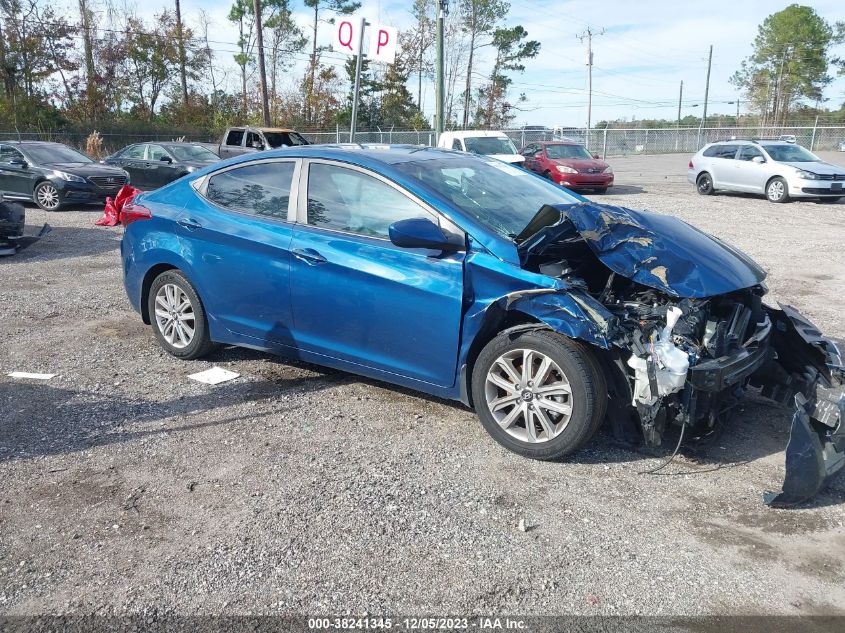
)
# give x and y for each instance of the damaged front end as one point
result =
(12, 223)
(688, 333)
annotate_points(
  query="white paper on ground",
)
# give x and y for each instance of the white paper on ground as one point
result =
(26, 374)
(214, 376)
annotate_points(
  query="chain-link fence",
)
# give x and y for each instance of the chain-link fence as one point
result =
(605, 142)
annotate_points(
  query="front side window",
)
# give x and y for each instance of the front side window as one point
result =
(456, 144)
(261, 189)
(254, 140)
(156, 152)
(8, 154)
(349, 200)
(749, 152)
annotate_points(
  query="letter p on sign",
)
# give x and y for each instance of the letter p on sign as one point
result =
(383, 41)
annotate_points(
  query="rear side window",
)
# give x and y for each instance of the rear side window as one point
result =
(134, 152)
(721, 151)
(234, 137)
(261, 189)
(348, 200)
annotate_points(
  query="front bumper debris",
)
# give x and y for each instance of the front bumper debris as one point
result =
(806, 369)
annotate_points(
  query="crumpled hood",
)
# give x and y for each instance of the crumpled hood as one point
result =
(658, 251)
(818, 167)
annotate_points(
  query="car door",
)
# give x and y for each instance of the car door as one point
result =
(238, 234)
(132, 160)
(17, 178)
(162, 168)
(751, 175)
(359, 298)
(722, 165)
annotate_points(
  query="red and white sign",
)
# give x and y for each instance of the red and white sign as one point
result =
(346, 35)
(383, 41)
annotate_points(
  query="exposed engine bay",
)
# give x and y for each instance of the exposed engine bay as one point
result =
(689, 334)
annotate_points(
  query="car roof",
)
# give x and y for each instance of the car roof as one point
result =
(31, 143)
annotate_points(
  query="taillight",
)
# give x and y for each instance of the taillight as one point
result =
(133, 212)
(690, 165)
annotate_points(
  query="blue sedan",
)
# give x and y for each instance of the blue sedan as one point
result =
(467, 278)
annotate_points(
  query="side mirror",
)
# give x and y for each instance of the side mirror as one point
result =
(19, 162)
(420, 233)
(166, 159)
(595, 156)
(758, 159)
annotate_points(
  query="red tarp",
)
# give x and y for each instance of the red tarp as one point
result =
(113, 209)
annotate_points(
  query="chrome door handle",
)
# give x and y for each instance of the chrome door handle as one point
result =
(189, 223)
(309, 256)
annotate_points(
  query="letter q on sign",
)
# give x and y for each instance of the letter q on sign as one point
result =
(346, 36)
(383, 40)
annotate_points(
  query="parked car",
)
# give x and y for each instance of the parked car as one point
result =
(53, 175)
(842, 146)
(777, 169)
(789, 138)
(245, 140)
(154, 164)
(568, 164)
(467, 278)
(488, 143)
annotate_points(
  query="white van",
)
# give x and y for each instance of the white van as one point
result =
(493, 144)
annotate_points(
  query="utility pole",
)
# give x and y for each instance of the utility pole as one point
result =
(588, 35)
(707, 87)
(440, 84)
(181, 44)
(680, 100)
(262, 69)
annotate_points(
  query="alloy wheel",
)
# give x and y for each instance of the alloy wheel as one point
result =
(47, 197)
(174, 316)
(776, 190)
(528, 395)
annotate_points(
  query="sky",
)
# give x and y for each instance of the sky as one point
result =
(646, 48)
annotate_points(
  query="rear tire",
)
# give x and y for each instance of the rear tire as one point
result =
(704, 184)
(777, 190)
(552, 418)
(178, 317)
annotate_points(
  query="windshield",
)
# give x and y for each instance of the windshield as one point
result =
(788, 153)
(567, 151)
(489, 145)
(277, 139)
(498, 195)
(192, 153)
(54, 155)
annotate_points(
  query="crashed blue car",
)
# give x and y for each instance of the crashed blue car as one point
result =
(467, 278)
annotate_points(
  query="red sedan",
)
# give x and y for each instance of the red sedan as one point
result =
(568, 164)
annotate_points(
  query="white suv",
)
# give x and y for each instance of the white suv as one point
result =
(778, 169)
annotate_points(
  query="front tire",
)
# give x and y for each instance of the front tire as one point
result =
(777, 190)
(538, 393)
(704, 184)
(178, 317)
(600, 190)
(46, 195)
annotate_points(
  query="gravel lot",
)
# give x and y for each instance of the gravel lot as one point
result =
(125, 486)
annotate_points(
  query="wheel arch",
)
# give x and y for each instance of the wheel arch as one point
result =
(147, 283)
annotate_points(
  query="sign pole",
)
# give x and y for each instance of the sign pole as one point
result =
(439, 121)
(357, 80)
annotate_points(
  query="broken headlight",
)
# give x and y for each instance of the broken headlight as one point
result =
(807, 175)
